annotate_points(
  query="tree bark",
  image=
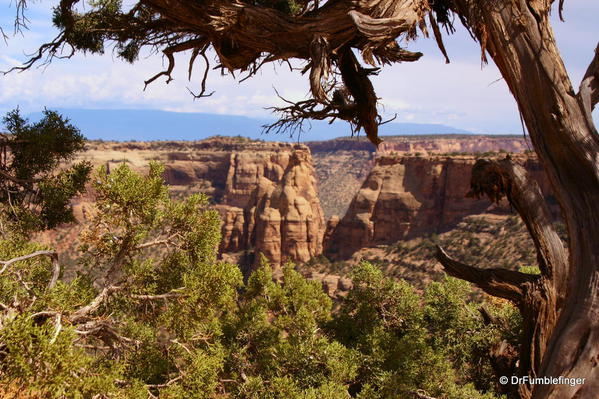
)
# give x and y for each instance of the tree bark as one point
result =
(564, 328)
(537, 297)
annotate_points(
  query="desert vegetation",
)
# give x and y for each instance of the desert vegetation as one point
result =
(152, 312)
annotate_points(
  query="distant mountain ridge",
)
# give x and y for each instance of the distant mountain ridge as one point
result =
(148, 125)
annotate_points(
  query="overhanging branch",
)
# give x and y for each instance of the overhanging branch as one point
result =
(245, 36)
(501, 283)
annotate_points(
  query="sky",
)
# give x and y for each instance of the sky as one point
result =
(464, 94)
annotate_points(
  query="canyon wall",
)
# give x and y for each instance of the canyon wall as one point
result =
(426, 144)
(342, 164)
(265, 192)
(271, 204)
(271, 195)
(409, 196)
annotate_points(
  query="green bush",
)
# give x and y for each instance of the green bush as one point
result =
(155, 313)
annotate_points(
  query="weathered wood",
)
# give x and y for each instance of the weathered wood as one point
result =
(502, 283)
(518, 37)
(539, 298)
(589, 86)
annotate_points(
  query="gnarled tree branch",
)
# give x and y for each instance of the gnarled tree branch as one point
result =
(589, 86)
(50, 253)
(501, 283)
(246, 35)
(499, 178)
(83, 313)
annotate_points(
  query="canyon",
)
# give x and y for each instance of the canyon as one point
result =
(266, 193)
(298, 202)
(407, 196)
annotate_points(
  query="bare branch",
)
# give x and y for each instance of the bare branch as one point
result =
(58, 327)
(7, 263)
(49, 50)
(496, 179)
(154, 243)
(169, 54)
(501, 283)
(589, 86)
(204, 78)
(166, 384)
(82, 314)
(438, 37)
(55, 271)
(293, 116)
(103, 330)
(43, 315)
(174, 293)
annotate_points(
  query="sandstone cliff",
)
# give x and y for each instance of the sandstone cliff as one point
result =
(431, 144)
(409, 196)
(265, 192)
(342, 164)
(271, 205)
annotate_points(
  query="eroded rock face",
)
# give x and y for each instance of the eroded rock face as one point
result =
(426, 144)
(408, 196)
(273, 207)
(265, 192)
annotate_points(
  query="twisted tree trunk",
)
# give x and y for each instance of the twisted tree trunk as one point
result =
(561, 307)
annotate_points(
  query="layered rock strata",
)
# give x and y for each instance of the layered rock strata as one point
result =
(409, 196)
(426, 144)
(265, 192)
(271, 205)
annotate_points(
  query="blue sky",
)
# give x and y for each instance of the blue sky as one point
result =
(463, 94)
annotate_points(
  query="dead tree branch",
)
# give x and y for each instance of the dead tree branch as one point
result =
(589, 86)
(501, 283)
(246, 36)
(83, 313)
(169, 53)
(174, 293)
(499, 178)
(50, 253)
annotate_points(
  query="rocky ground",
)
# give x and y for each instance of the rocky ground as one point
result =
(484, 240)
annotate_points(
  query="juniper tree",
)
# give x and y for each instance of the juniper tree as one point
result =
(35, 189)
(154, 313)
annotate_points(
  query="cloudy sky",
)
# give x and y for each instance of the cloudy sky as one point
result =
(463, 94)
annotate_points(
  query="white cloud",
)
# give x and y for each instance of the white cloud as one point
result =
(460, 94)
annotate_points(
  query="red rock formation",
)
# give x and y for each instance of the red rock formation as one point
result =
(425, 144)
(265, 191)
(271, 205)
(407, 196)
